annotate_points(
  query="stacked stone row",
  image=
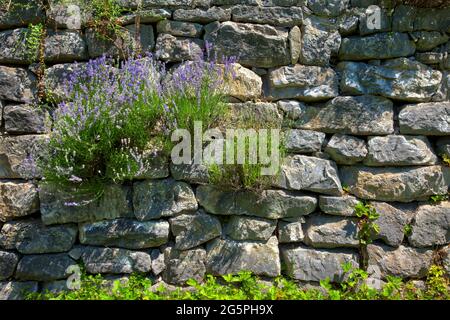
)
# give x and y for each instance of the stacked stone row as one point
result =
(366, 116)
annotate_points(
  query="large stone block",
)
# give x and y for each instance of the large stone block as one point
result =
(17, 199)
(307, 264)
(328, 8)
(244, 85)
(26, 119)
(271, 204)
(378, 46)
(184, 265)
(203, 15)
(33, 237)
(401, 262)
(291, 231)
(275, 16)
(8, 263)
(306, 83)
(177, 49)
(431, 119)
(19, 154)
(431, 226)
(338, 206)
(60, 206)
(180, 29)
(250, 228)
(20, 13)
(228, 256)
(13, 47)
(146, 16)
(17, 290)
(363, 115)
(303, 141)
(399, 79)
(125, 233)
(255, 45)
(65, 46)
(344, 149)
(396, 184)
(309, 174)
(44, 267)
(162, 198)
(399, 151)
(17, 84)
(191, 230)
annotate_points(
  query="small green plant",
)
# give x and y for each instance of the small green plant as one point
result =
(446, 159)
(437, 283)
(33, 40)
(346, 189)
(437, 198)
(366, 226)
(407, 230)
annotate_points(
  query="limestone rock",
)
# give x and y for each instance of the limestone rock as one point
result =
(125, 233)
(270, 204)
(17, 290)
(245, 84)
(378, 46)
(344, 149)
(291, 231)
(184, 265)
(328, 8)
(21, 13)
(26, 119)
(17, 199)
(431, 225)
(426, 118)
(8, 263)
(264, 114)
(395, 184)
(65, 16)
(249, 228)
(295, 37)
(177, 49)
(65, 46)
(399, 151)
(203, 15)
(44, 267)
(228, 256)
(13, 48)
(17, 84)
(338, 206)
(303, 141)
(426, 41)
(306, 83)
(399, 79)
(154, 199)
(115, 260)
(33, 237)
(307, 264)
(191, 230)
(59, 206)
(402, 262)
(331, 232)
(276, 16)
(310, 174)
(255, 45)
(146, 16)
(18, 156)
(180, 29)
(192, 173)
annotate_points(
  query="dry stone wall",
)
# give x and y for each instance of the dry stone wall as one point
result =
(366, 115)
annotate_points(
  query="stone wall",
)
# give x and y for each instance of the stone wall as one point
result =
(366, 115)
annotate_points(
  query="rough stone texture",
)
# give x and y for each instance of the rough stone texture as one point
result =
(338, 206)
(395, 184)
(33, 237)
(184, 265)
(378, 46)
(318, 45)
(306, 83)
(291, 231)
(363, 115)
(323, 231)
(26, 119)
(425, 118)
(431, 225)
(191, 230)
(426, 41)
(392, 222)
(115, 260)
(45, 267)
(402, 262)
(120, 46)
(177, 49)
(316, 264)
(344, 149)
(192, 173)
(58, 206)
(276, 16)
(228, 256)
(328, 8)
(162, 198)
(244, 84)
(303, 141)
(17, 199)
(255, 45)
(411, 19)
(262, 113)
(65, 46)
(13, 47)
(203, 16)
(399, 151)
(310, 174)
(125, 233)
(18, 156)
(21, 13)
(158, 264)
(146, 16)
(8, 263)
(249, 228)
(295, 45)
(271, 204)
(399, 79)
(181, 29)
(17, 84)
(65, 16)
(15, 290)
